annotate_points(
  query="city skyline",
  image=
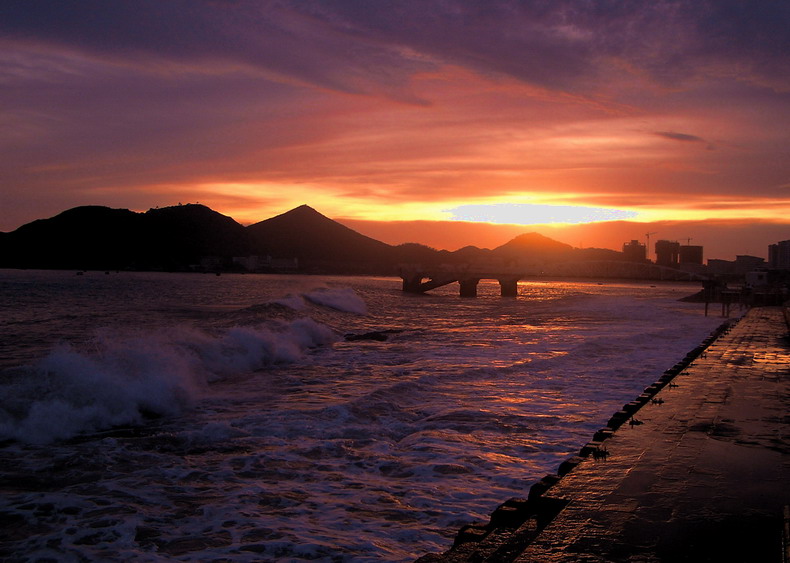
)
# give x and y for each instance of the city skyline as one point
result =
(591, 123)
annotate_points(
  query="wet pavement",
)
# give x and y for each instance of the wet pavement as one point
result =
(698, 473)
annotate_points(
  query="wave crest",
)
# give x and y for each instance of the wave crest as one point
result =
(341, 299)
(122, 379)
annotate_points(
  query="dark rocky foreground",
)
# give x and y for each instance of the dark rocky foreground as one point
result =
(697, 468)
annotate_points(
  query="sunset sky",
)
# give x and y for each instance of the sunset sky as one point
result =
(670, 117)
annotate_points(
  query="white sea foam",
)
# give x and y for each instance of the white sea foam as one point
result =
(341, 299)
(377, 451)
(121, 378)
(294, 302)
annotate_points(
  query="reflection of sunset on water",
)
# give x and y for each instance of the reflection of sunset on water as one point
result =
(248, 387)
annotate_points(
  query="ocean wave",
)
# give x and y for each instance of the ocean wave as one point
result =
(310, 301)
(121, 379)
(341, 299)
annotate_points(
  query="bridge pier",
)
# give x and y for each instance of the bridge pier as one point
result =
(419, 279)
(413, 283)
(469, 287)
(509, 287)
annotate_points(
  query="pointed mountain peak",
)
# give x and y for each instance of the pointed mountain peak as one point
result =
(305, 233)
(534, 241)
(304, 207)
(533, 245)
(302, 210)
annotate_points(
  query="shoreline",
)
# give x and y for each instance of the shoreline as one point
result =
(554, 518)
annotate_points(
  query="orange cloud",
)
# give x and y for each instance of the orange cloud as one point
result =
(374, 115)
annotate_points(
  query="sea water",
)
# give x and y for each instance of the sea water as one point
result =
(159, 417)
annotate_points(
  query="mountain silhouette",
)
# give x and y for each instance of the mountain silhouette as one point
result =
(175, 237)
(193, 236)
(83, 237)
(96, 237)
(533, 245)
(305, 234)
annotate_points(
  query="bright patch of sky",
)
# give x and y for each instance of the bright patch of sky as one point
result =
(534, 214)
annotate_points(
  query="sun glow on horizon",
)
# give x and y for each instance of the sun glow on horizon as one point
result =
(251, 202)
(534, 214)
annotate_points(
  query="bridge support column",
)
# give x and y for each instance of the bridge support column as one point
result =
(509, 287)
(412, 284)
(469, 287)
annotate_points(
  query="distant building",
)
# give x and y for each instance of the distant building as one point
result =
(210, 263)
(266, 263)
(634, 251)
(250, 263)
(720, 267)
(757, 278)
(667, 253)
(745, 263)
(691, 254)
(737, 268)
(284, 264)
(779, 255)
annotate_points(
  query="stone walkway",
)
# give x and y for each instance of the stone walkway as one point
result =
(698, 473)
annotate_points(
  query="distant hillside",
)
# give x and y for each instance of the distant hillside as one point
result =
(415, 253)
(178, 238)
(83, 237)
(534, 246)
(95, 237)
(307, 235)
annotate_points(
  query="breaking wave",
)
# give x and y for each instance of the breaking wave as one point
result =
(121, 379)
(340, 299)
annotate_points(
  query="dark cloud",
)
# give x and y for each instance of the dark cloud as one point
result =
(103, 121)
(268, 36)
(680, 136)
(570, 44)
(394, 101)
(362, 46)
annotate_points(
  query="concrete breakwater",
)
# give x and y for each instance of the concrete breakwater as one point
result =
(702, 450)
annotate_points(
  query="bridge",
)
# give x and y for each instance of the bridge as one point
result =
(419, 279)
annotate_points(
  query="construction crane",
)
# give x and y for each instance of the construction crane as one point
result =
(688, 241)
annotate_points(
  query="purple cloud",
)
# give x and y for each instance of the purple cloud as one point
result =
(128, 95)
(680, 137)
(352, 45)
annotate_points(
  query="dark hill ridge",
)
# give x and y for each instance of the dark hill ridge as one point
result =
(305, 234)
(95, 237)
(179, 237)
(533, 243)
(83, 237)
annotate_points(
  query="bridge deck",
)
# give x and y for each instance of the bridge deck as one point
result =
(469, 275)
